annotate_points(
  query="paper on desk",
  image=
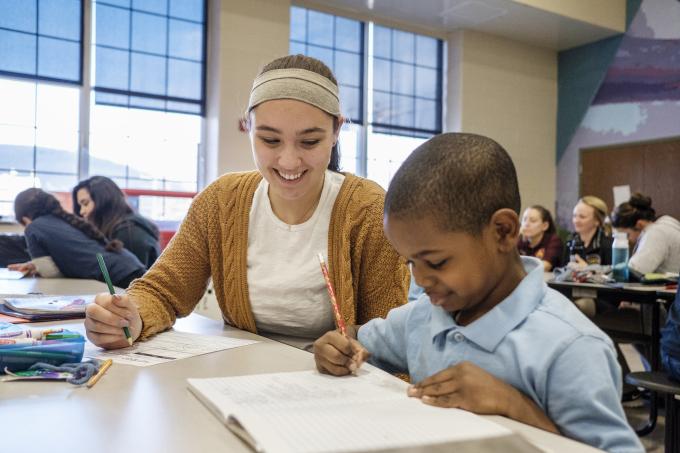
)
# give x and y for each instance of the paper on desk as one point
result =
(309, 412)
(166, 347)
(6, 274)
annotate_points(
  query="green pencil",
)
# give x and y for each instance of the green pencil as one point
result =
(107, 279)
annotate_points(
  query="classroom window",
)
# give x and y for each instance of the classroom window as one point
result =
(135, 114)
(338, 42)
(169, 143)
(400, 104)
(41, 39)
(407, 73)
(150, 54)
(38, 138)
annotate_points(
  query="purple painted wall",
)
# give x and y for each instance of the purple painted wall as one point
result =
(639, 99)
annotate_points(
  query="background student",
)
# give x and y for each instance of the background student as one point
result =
(591, 241)
(62, 244)
(101, 202)
(538, 237)
(257, 234)
(489, 336)
(657, 240)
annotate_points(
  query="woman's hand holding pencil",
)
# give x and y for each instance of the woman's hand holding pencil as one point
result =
(106, 317)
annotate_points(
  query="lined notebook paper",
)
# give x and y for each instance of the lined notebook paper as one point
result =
(310, 412)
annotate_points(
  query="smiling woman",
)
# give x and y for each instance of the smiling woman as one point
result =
(257, 234)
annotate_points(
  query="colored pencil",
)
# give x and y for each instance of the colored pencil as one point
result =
(338, 319)
(102, 369)
(107, 279)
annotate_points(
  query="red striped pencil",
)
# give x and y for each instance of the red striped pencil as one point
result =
(338, 319)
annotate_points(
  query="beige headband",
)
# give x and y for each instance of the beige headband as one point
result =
(298, 84)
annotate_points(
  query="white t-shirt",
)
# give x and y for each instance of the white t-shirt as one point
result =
(658, 248)
(287, 290)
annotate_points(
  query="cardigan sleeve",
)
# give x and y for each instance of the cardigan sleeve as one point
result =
(383, 277)
(176, 282)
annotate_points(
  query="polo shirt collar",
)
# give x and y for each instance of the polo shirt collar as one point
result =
(489, 330)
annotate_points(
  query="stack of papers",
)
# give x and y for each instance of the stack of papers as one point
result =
(44, 308)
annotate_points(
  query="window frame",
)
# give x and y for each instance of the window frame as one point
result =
(86, 91)
(367, 126)
(131, 93)
(39, 78)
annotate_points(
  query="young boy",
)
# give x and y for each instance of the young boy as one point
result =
(488, 336)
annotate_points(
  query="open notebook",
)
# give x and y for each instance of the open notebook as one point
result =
(309, 412)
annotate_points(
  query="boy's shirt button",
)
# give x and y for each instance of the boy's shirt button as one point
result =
(458, 337)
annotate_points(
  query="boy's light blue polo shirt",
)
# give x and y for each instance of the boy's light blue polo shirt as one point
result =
(535, 340)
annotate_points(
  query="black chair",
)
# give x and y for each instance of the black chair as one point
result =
(658, 383)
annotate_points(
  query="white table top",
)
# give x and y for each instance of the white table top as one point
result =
(150, 409)
(51, 286)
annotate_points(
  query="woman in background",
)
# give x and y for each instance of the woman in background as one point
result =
(591, 241)
(61, 244)
(101, 202)
(657, 240)
(539, 237)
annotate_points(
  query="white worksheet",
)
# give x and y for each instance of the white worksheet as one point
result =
(310, 412)
(166, 347)
(6, 274)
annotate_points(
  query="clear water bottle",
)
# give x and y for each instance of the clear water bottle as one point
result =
(620, 257)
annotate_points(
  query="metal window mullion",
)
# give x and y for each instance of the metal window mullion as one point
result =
(35, 98)
(129, 60)
(366, 99)
(167, 51)
(85, 93)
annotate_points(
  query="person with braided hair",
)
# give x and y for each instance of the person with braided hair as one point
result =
(62, 244)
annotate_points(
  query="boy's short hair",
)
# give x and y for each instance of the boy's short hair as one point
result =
(458, 179)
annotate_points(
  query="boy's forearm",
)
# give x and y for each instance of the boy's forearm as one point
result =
(523, 409)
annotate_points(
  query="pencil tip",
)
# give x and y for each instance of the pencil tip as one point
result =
(130, 341)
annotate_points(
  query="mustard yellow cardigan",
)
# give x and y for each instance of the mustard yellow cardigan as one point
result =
(368, 276)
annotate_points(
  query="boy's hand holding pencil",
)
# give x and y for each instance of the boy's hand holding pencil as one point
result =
(339, 354)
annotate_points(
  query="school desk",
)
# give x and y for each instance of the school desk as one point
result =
(150, 409)
(51, 286)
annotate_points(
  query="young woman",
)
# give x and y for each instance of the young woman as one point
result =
(539, 237)
(257, 234)
(61, 244)
(101, 202)
(591, 241)
(657, 240)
